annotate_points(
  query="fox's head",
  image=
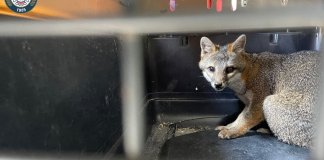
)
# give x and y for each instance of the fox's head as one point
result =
(222, 65)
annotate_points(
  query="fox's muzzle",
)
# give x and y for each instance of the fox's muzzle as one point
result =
(218, 86)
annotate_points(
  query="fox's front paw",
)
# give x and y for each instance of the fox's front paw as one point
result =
(230, 133)
(219, 128)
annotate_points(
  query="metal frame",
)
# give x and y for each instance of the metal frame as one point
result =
(266, 18)
(131, 28)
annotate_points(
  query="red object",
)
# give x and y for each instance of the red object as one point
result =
(219, 5)
(209, 4)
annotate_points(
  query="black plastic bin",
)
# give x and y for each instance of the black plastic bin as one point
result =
(183, 109)
(61, 95)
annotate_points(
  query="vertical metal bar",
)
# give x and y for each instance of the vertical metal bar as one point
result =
(132, 95)
(319, 36)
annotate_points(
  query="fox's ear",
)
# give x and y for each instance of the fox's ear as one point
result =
(207, 46)
(239, 44)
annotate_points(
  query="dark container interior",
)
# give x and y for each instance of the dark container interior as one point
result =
(62, 95)
(183, 109)
(59, 94)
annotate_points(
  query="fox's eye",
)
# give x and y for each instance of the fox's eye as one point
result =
(211, 68)
(229, 69)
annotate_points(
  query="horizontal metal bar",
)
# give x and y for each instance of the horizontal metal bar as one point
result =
(230, 21)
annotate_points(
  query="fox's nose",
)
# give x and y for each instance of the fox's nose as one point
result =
(218, 86)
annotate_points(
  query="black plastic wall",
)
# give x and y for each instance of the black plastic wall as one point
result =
(59, 94)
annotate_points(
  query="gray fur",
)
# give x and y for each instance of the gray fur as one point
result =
(289, 110)
(285, 86)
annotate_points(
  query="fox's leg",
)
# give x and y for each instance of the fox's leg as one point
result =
(290, 118)
(245, 101)
(218, 128)
(251, 116)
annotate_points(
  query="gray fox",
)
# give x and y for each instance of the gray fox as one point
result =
(280, 89)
